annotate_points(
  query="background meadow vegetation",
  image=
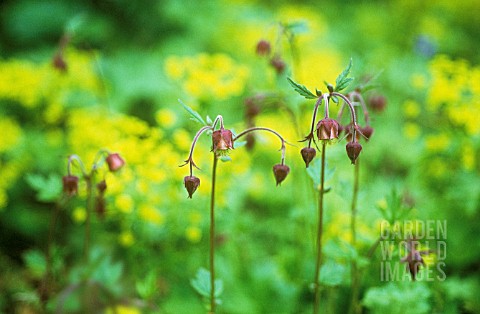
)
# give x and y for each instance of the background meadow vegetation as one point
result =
(126, 64)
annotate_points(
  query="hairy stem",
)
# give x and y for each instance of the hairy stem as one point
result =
(212, 236)
(319, 232)
(354, 269)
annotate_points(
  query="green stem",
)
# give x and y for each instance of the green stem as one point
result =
(89, 208)
(354, 269)
(212, 236)
(319, 232)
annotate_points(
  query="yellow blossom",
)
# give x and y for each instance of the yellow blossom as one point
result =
(411, 109)
(411, 130)
(79, 214)
(126, 238)
(437, 142)
(151, 214)
(193, 234)
(124, 203)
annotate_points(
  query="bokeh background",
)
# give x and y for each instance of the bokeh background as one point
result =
(79, 76)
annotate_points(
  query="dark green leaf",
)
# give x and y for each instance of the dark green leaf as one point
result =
(193, 113)
(302, 90)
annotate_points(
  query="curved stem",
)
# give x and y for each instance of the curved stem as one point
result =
(212, 236)
(364, 106)
(352, 111)
(192, 147)
(318, 261)
(314, 117)
(76, 158)
(253, 129)
(354, 269)
(347, 101)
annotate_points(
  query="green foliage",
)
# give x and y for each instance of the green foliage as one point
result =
(48, 188)
(202, 285)
(302, 90)
(195, 116)
(343, 80)
(399, 297)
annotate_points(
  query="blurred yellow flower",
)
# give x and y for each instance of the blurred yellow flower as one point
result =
(11, 134)
(411, 108)
(207, 77)
(193, 234)
(79, 214)
(166, 118)
(126, 238)
(124, 203)
(123, 309)
(411, 130)
(150, 214)
(437, 142)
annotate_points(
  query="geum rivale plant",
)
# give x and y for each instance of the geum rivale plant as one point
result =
(327, 131)
(223, 141)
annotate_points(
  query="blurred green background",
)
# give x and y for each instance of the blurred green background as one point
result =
(79, 76)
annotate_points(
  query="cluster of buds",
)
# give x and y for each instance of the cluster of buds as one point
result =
(328, 129)
(222, 142)
(264, 49)
(70, 182)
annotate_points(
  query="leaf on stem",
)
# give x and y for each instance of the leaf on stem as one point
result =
(343, 80)
(195, 115)
(302, 90)
(201, 284)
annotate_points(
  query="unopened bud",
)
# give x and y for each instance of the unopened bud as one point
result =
(115, 162)
(101, 186)
(191, 184)
(308, 153)
(59, 63)
(377, 102)
(222, 141)
(278, 64)
(327, 129)
(367, 131)
(280, 172)
(353, 150)
(70, 185)
(263, 48)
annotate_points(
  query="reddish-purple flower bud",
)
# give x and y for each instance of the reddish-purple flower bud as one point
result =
(278, 64)
(377, 102)
(327, 129)
(115, 162)
(70, 185)
(367, 131)
(263, 48)
(353, 150)
(101, 186)
(280, 172)
(222, 141)
(191, 184)
(308, 153)
(59, 63)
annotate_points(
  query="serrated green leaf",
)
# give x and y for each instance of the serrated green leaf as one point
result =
(195, 115)
(332, 274)
(147, 287)
(344, 83)
(343, 80)
(302, 90)
(201, 282)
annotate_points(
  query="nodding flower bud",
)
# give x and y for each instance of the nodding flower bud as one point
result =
(115, 162)
(101, 186)
(367, 131)
(70, 185)
(59, 63)
(377, 102)
(263, 48)
(327, 129)
(191, 184)
(222, 141)
(280, 172)
(278, 64)
(308, 153)
(353, 150)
